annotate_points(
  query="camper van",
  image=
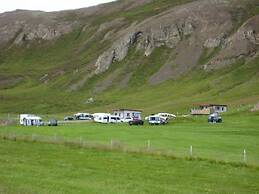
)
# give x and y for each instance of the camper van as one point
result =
(30, 120)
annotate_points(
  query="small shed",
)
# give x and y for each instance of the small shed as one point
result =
(206, 109)
(127, 113)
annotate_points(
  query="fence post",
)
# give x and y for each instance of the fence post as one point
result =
(111, 143)
(191, 151)
(245, 155)
(148, 144)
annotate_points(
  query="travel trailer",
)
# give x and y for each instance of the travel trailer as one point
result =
(106, 118)
(101, 117)
(30, 120)
(127, 115)
(164, 116)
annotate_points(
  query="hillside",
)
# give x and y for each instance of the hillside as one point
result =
(155, 55)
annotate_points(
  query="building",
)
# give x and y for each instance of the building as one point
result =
(206, 109)
(126, 114)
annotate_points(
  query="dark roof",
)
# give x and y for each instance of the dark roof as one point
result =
(125, 109)
(213, 105)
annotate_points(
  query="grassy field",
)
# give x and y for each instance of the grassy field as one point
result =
(43, 168)
(224, 142)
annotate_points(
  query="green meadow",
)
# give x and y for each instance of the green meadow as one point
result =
(46, 168)
(221, 142)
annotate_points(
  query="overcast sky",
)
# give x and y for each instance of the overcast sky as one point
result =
(47, 5)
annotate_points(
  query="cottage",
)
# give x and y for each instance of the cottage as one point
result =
(127, 114)
(206, 109)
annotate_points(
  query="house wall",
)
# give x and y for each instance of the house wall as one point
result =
(220, 109)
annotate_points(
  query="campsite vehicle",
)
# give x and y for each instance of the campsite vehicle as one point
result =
(157, 120)
(52, 122)
(83, 116)
(102, 117)
(68, 118)
(30, 120)
(214, 118)
(115, 119)
(166, 115)
(127, 119)
(127, 115)
(106, 118)
(136, 122)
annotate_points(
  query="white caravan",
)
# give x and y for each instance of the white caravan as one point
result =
(102, 117)
(30, 120)
(166, 116)
(106, 118)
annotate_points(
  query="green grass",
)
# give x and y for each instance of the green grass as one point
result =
(224, 142)
(44, 168)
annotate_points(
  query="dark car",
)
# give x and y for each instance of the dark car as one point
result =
(68, 118)
(52, 122)
(136, 122)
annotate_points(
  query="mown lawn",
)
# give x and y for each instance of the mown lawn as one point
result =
(225, 141)
(44, 168)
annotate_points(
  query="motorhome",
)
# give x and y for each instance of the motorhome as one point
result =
(30, 120)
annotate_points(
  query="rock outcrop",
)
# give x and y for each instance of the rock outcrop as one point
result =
(21, 26)
(201, 24)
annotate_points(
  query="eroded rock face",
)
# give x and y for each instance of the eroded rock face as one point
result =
(243, 43)
(199, 22)
(22, 26)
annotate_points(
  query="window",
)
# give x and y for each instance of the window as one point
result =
(128, 114)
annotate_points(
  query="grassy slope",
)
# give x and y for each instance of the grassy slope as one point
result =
(221, 142)
(43, 168)
(233, 85)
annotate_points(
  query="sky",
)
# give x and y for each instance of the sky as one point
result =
(47, 5)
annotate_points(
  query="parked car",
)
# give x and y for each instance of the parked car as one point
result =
(68, 118)
(115, 119)
(136, 122)
(52, 122)
(157, 120)
(215, 118)
(127, 120)
(84, 116)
